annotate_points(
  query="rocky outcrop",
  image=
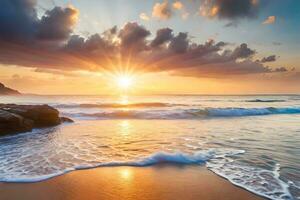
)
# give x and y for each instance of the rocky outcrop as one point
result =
(7, 91)
(20, 118)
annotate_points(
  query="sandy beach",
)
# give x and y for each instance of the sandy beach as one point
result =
(149, 100)
(143, 183)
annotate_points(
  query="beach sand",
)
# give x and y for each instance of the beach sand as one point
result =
(143, 183)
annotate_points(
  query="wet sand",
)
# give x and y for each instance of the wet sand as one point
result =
(174, 182)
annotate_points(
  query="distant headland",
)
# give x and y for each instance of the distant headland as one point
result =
(8, 91)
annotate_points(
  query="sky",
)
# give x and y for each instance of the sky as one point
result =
(160, 46)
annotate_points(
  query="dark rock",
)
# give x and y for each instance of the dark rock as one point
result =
(20, 118)
(8, 91)
(42, 115)
(10, 123)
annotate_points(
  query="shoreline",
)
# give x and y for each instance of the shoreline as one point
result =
(163, 181)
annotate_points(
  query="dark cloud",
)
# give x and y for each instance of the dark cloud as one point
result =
(281, 69)
(47, 43)
(133, 37)
(18, 19)
(57, 23)
(75, 42)
(229, 9)
(180, 43)
(162, 36)
(271, 58)
(19, 22)
(243, 51)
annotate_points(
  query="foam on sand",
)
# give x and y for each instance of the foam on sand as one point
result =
(259, 181)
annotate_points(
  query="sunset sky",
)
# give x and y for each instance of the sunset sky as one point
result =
(163, 47)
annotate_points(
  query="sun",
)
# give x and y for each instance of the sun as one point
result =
(124, 81)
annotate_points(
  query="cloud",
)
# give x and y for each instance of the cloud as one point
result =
(57, 72)
(165, 11)
(18, 19)
(177, 5)
(180, 43)
(162, 10)
(133, 37)
(19, 22)
(242, 51)
(144, 17)
(221, 70)
(271, 58)
(281, 69)
(49, 44)
(270, 20)
(162, 36)
(229, 9)
(57, 24)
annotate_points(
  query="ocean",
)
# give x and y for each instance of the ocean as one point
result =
(253, 141)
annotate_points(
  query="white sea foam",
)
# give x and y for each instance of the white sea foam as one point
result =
(259, 181)
(262, 182)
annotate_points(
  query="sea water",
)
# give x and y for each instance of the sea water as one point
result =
(253, 141)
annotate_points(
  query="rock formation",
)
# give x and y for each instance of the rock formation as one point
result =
(7, 91)
(21, 118)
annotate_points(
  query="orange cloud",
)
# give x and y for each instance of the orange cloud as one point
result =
(162, 11)
(270, 20)
(177, 5)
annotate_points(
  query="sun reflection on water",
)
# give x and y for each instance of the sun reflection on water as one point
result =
(125, 174)
(124, 100)
(125, 127)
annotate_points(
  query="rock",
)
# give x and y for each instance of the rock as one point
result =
(42, 115)
(8, 91)
(20, 118)
(10, 123)
(66, 120)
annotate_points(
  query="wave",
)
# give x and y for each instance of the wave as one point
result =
(186, 113)
(119, 105)
(266, 183)
(200, 157)
(260, 181)
(265, 100)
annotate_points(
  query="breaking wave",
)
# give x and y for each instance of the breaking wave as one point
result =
(186, 113)
(118, 105)
(260, 181)
(21, 173)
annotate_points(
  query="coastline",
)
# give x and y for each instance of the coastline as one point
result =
(163, 181)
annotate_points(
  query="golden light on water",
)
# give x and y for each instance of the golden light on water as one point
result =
(125, 173)
(124, 100)
(125, 128)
